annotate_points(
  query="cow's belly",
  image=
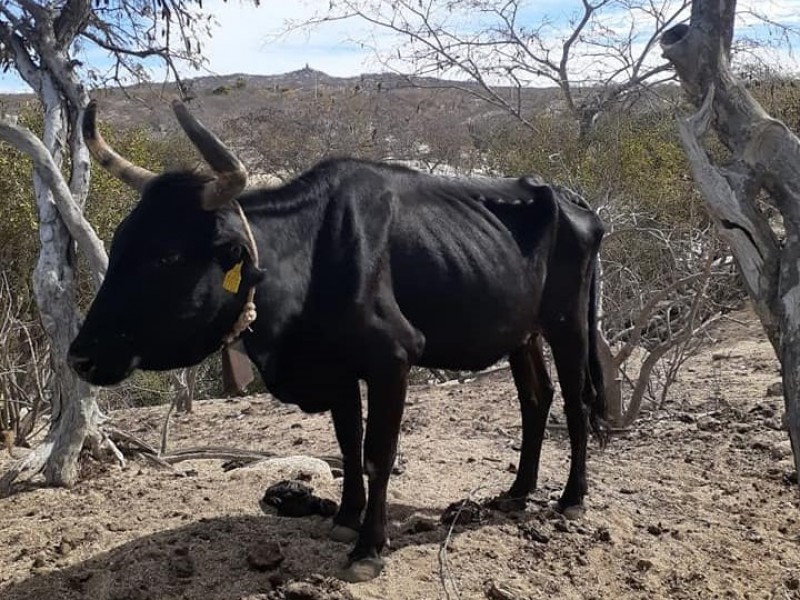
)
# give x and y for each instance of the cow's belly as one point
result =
(474, 300)
(470, 335)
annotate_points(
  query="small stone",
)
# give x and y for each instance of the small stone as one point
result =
(265, 556)
(752, 535)
(774, 389)
(73, 536)
(603, 535)
(775, 423)
(655, 529)
(96, 584)
(561, 526)
(316, 588)
(64, 548)
(529, 532)
(277, 579)
(643, 564)
(500, 591)
(760, 446)
(420, 525)
(709, 424)
(183, 566)
(781, 450)
(286, 468)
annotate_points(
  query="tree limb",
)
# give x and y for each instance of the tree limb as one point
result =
(79, 228)
(755, 246)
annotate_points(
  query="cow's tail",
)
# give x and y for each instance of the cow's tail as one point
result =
(597, 410)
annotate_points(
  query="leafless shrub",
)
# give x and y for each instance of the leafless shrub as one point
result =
(24, 367)
(657, 308)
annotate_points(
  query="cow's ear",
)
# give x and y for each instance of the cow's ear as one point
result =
(229, 254)
(234, 255)
(538, 188)
(252, 274)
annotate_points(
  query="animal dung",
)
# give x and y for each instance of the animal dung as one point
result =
(295, 499)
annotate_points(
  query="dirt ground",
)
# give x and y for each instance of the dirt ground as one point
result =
(696, 501)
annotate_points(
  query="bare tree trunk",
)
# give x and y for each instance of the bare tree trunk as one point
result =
(74, 409)
(75, 415)
(765, 154)
(38, 40)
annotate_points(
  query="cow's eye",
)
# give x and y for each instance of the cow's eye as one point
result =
(168, 260)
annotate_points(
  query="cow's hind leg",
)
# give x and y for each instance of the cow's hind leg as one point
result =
(570, 350)
(346, 413)
(535, 392)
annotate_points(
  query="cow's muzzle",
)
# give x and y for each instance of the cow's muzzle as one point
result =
(100, 372)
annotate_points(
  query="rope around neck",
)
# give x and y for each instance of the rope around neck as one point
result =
(248, 314)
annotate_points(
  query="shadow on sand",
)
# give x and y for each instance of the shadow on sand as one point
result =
(211, 559)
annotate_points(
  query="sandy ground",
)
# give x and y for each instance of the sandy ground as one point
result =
(695, 501)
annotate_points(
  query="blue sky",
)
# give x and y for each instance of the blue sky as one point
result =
(246, 39)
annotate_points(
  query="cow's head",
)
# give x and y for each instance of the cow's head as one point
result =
(171, 293)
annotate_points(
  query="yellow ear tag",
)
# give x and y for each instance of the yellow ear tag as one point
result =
(233, 278)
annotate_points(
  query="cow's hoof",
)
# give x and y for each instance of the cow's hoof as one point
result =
(574, 512)
(362, 570)
(343, 534)
(508, 504)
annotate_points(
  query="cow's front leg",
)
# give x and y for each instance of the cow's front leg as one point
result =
(346, 413)
(387, 392)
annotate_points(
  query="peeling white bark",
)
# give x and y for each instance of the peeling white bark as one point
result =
(75, 415)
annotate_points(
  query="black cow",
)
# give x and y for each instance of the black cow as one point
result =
(359, 270)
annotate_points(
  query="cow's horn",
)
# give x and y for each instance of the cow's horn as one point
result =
(231, 174)
(121, 168)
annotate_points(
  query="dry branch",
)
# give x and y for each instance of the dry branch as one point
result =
(79, 228)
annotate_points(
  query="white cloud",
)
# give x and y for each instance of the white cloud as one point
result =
(246, 39)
